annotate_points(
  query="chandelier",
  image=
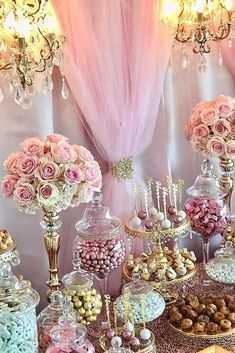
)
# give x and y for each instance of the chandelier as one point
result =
(199, 23)
(29, 49)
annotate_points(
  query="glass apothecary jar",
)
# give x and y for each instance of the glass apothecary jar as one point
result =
(79, 287)
(48, 318)
(68, 336)
(206, 208)
(98, 242)
(222, 267)
(144, 303)
(18, 326)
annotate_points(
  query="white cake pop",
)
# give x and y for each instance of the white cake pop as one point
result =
(135, 221)
(182, 214)
(153, 212)
(129, 326)
(145, 334)
(116, 341)
(159, 216)
(166, 223)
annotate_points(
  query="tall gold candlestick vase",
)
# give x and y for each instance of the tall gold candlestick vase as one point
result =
(227, 168)
(51, 224)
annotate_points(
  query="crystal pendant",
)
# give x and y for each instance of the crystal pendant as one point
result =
(64, 90)
(26, 102)
(220, 57)
(47, 85)
(9, 88)
(202, 64)
(184, 61)
(18, 97)
(1, 95)
(230, 43)
(3, 45)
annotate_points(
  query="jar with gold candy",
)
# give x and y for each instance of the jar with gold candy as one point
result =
(48, 318)
(69, 336)
(8, 248)
(79, 287)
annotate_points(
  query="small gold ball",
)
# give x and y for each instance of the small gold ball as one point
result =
(93, 291)
(87, 306)
(98, 296)
(83, 322)
(87, 298)
(89, 313)
(82, 311)
(78, 304)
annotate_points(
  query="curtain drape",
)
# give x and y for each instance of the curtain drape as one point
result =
(117, 57)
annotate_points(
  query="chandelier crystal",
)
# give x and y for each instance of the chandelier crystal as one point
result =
(29, 49)
(199, 23)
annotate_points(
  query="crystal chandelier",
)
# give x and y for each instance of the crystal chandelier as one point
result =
(29, 49)
(199, 23)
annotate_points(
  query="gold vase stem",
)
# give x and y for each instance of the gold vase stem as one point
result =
(226, 181)
(52, 245)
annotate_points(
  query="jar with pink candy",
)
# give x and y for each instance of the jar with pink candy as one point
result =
(68, 336)
(206, 208)
(99, 243)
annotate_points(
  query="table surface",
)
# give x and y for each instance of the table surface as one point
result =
(166, 342)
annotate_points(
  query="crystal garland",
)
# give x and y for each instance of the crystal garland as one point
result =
(29, 49)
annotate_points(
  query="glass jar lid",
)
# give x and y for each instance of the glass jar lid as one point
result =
(77, 279)
(137, 287)
(15, 294)
(53, 310)
(207, 184)
(225, 254)
(97, 221)
(68, 332)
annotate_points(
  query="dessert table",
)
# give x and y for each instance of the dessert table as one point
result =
(166, 340)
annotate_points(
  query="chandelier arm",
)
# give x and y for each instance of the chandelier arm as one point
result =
(6, 67)
(224, 34)
(39, 2)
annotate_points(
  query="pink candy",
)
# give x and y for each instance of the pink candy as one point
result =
(207, 216)
(102, 256)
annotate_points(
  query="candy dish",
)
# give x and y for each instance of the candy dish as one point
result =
(204, 319)
(222, 267)
(141, 296)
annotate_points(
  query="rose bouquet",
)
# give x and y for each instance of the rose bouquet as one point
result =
(50, 174)
(211, 127)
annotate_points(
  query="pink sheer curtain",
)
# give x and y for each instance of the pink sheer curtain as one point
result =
(117, 55)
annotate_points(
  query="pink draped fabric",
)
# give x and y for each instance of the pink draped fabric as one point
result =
(229, 56)
(117, 55)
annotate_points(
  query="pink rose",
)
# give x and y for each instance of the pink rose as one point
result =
(48, 195)
(8, 185)
(209, 116)
(26, 165)
(48, 171)
(225, 109)
(63, 152)
(33, 145)
(222, 128)
(92, 172)
(188, 131)
(24, 193)
(55, 138)
(230, 148)
(73, 174)
(216, 146)
(9, 164)
(200, 131)
(86, 193)
(204, 105)
(195, 119)
(223, 99)
(83, 153)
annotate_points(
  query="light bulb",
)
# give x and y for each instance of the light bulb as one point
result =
(199, 5)
(170, 10)
(228, 4)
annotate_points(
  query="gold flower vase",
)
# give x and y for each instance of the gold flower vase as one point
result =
(51, 224)
(227, 168)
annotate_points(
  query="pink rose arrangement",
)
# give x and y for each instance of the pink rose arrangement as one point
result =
(50, 174)
(211, 127)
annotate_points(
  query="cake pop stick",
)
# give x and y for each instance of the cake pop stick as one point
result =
(149, 224)
(177, 218)
(159, 215)
(145, 334)
(134, 342)
(128, 328)
(135, 220)
(181, 213)
(115, 317)
(152, 210)
(169, 186)
(109, 334)
(166, 223)
(141, 214)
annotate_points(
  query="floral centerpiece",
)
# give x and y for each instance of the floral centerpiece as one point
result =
(211, 130)
(211, 127)
(51, 175)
